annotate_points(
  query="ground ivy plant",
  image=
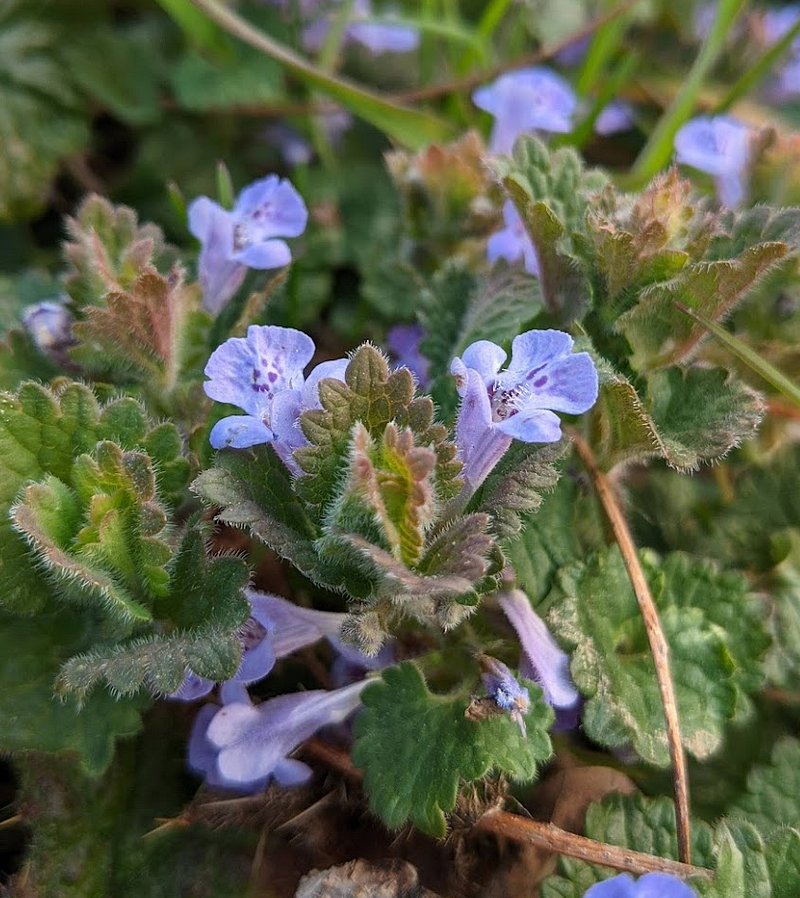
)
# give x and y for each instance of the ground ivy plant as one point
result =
(224, 538)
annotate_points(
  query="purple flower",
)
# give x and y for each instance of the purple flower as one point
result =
(403, 341)
(49, 324)
(375, 36)
(542, 660)
(720, 146)
(616, 116)
(518, 403)
(504, 690)
(245, 237)
(651, 885)
(523, 101)
(513, 242)
(244, 746)
(263, 375)
(275, 628)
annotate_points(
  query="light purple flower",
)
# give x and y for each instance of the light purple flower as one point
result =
(722, 147)
(778, 21)
(262, 374)
(525, 101)
(249, 745)
(513, 242)
(651, 885)
(49, 324)
(275, 628)
(377, 37)
(542, 660)
(246, 237)
(616, 116)
(403, 341)
(504, 690)
(544, 376)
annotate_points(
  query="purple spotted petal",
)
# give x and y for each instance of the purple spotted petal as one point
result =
(542, 659)
(248, 372)
(269, 208)
(651, 885)
(239, 432)
(252, 742)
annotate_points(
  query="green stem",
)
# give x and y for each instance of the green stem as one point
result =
(658, 149)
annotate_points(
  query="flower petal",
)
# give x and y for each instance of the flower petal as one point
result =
(239, 432)
(266, 255)
(567, 384)
(290, 772)
(484, 357)
(536, 347)
(256, 662)
(540, 426)
(270, 207)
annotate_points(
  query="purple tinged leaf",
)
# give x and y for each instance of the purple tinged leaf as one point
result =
(720, 146)
(527, 100)
(542, 660)
(513, 242)
(651, 885)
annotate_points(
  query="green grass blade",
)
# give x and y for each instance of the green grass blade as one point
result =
(408, 127)
(750, 357)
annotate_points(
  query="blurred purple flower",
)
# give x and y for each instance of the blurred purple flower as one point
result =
(544, 376)
(276, 628)
(49, 324)
(377, 37)
(542, 660)
(512, 242)
(722, 147)
(246, 237)
(403, 341)
(525, 101)
(651, 885)
(243, 746)
(573, 53)
(616, 116)
(263, 375)
(504, 690)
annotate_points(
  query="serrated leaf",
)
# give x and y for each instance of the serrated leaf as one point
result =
(783, 863)
(108, 250)
(31, 717)
(745, 248)
(595, 614)
(741, 868)
(628, 821)
(771, 797)
(42, 120)
(416, 747)
(515, 486)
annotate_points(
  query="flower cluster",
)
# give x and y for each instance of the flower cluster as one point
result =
(248, 236)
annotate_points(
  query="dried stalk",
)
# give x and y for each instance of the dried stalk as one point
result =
(532, 832)
(655, 636)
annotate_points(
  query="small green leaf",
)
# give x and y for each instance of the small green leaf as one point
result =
(771, 797)
(416, 747)
(783, 863)
(595, 614)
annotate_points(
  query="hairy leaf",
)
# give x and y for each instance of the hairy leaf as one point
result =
(416, 747)
(771, 797)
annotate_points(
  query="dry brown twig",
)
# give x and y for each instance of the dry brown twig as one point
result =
(532, 832)
(655, 636)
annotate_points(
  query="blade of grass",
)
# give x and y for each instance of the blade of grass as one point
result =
(760, 69)
(408, 127)
(657, 151)
(619, 76)
(605, 44)
(200, 30)
(749, 356)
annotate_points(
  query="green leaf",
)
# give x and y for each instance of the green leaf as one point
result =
(41, 117)
(595, 614)
(783, 863)
(741, 869)
(416, 747)
(31, 717)
(245, 78)
(628, 821)
(771, 797)
(744, 248)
